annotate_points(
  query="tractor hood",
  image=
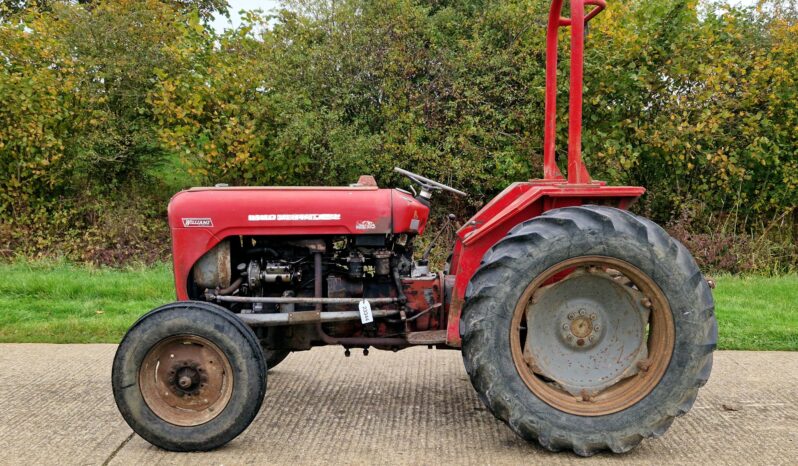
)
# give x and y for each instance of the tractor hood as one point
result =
(226, 211)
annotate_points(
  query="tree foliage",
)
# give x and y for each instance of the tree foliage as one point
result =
(695, 101)
(205, 8)
(73, 97)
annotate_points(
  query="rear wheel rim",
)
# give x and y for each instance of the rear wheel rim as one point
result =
(571, 331)
(186, 380)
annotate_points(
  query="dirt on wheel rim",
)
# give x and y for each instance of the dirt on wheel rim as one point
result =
(186, 380)
(584, 339)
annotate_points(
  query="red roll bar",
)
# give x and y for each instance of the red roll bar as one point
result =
(577, 172)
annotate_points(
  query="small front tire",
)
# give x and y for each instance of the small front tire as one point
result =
(189, 376)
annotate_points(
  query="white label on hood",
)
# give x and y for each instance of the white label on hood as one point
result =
(292, 217)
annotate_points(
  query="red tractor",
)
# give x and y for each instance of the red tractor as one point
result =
(581, 325)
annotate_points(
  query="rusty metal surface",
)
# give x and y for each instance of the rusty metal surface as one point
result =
(186, 380)
(212, 270)
(322, 407)
(429, 337)
(301, 300)
(302, 317)
(306, 317)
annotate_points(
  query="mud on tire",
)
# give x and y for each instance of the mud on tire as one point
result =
(535, 246)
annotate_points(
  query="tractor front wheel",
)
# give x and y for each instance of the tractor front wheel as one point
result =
(588, 328)
(189, 376)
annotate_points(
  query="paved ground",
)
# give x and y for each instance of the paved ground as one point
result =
(415, 406)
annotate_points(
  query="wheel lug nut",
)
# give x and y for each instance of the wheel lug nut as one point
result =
(596, 327)
(581, 312)
(644, 365)
(571, 316)
(593, 316)
(565, 326)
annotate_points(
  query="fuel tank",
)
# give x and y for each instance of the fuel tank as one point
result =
(360, 210)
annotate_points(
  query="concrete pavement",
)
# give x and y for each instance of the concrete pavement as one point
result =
(412, 407)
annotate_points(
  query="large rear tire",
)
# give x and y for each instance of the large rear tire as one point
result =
(189, 376)
(588, 328)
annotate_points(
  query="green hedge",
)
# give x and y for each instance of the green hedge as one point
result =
(123, 101)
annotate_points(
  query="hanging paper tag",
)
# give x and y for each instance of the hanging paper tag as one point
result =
(365, 312)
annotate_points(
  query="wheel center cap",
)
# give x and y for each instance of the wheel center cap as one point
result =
(598, 332)
(184, 382)
(581, 327)
(186, 378)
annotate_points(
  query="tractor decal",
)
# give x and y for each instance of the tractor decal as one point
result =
(365, 225)
(197, 222)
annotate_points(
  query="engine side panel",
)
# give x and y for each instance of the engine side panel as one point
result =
(200, 218)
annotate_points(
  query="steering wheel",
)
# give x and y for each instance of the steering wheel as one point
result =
(427, 185)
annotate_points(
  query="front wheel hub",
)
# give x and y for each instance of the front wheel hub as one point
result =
(186, 380)
(187, 377)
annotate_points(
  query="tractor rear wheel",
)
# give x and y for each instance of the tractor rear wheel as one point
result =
(189, 376)
(588, 328)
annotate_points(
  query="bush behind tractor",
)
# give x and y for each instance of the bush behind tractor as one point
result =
(582, 326)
